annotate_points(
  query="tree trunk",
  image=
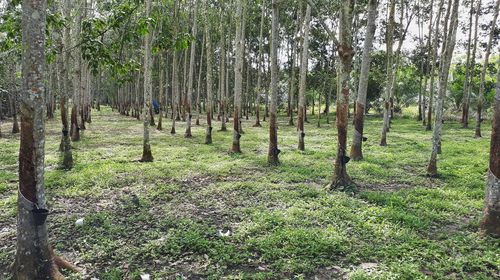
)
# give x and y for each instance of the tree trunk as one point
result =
(341, 180)
(75, 128)
(303, 76)
(390, 72)
(33, 257)
(357, 139)
(465, 98)
(161, 90)
(259, 66)
(189, 99)
(273, 153)
(209, 107)
(443, 85)
(472, 63)
(65, 83)
(433, 67)
(480, 97)
(223, 77)
(148, 88)
(238, 77)
(198, 87)
(491, 220)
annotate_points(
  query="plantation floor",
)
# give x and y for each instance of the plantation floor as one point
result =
(200, 212)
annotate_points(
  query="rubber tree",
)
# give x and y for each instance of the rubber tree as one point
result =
(301, 115)
(480, 96)
(259, 66)
(64, 63)
(341, 179)
(472, 65)
(238, 77)
(389, 37)
(34, 259)
(273, 152)
(447, 55)
(491, 219)
(147, 156)
(209, 105)
(190, 83)
(357, 140)
(432, 72)
(468, 66)
(77, 75)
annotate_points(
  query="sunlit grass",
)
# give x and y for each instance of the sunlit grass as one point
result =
(165, 218)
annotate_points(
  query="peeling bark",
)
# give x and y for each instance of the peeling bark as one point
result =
(341, 179)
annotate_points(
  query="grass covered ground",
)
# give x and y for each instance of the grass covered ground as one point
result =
(200, 212)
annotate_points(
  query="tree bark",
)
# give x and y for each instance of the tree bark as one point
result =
(465, 98)
(433, 67)
(259, 66)
(65, 87)
(303, 77)
(148, 88)
(480, 97)
(209, 107)
(273, 153)
(189, 99)
(238, 77)
(357, 140)
(491, 219)
(390, 63)
(443, 85)
(33, 257)
(341, 179)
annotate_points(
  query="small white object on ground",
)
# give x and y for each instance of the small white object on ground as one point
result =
(145, 277)
(79, 222)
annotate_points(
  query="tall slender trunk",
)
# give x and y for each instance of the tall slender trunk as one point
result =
(341, 179)
(473, 60)
(223, 77)
(259, 67)
(480, 97)
(273, 153)
(148, 88)
(33, 257)
(198, 87)
(13, 98)
(390, 72)
(491, 219)
(209, 107)
(432, 74)
(443, 84)
(161, 90)
(357, 139)
(64, 62)
(303, 77)
(75, 128)
(465, 98)
(238, 77)
(189, 99)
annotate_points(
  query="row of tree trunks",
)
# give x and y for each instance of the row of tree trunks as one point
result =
(447, 55)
